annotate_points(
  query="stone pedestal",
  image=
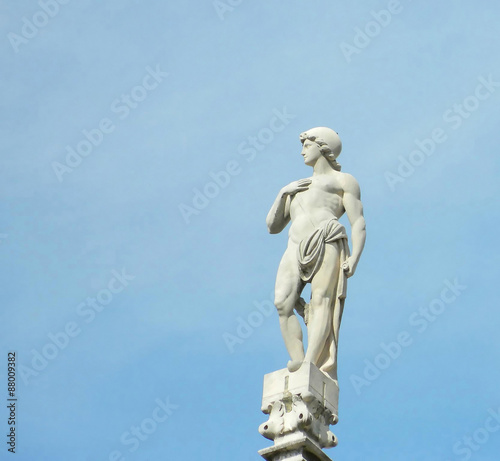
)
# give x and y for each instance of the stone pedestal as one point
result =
(301, 407)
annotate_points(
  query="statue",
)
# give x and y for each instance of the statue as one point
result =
(317, 251)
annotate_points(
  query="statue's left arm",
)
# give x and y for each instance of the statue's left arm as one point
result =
(354, 210)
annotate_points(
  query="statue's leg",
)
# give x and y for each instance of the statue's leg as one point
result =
(323, 293)
(288, 287)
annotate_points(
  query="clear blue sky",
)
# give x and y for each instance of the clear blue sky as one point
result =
(130, 257)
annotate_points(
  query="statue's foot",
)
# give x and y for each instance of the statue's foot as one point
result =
(330, 372)
(293, 365)
(327, 369)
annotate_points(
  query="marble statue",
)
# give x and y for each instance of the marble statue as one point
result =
(317, 251)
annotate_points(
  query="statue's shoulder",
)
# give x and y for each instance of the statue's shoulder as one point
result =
(349, 183)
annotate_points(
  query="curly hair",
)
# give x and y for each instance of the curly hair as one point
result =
(324, 149)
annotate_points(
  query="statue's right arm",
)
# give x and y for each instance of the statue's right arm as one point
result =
(279, 214)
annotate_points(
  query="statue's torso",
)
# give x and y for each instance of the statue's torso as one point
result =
(321, 202)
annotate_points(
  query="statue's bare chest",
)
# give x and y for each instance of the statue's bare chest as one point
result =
(324, 193)
(328, 184)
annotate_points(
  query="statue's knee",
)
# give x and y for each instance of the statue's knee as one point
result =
(283, 304)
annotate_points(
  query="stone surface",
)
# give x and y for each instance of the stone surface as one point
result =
(308, 381)
(301, 406)
(301, 449)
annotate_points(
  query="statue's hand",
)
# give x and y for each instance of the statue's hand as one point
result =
(296, 187)
(349, 266)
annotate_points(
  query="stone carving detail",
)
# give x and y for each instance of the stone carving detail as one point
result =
(294, 415)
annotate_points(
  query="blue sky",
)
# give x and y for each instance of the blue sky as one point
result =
(102, 257)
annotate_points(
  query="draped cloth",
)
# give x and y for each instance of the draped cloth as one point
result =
(311, 251)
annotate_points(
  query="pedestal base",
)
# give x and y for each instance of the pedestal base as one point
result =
(299, 450)
(301, 406)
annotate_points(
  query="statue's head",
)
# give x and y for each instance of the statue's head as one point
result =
(328, 141)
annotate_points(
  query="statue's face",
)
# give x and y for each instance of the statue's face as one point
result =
(311, 152)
